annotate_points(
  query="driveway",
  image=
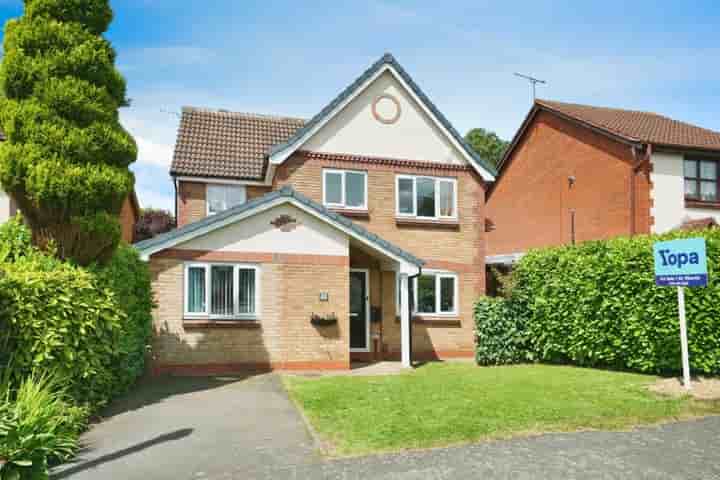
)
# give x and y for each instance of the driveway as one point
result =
(193, 428)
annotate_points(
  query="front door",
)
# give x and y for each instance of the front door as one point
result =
(359, 324)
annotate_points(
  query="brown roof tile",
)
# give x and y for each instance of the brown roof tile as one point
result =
(217, 143)
(639, 126)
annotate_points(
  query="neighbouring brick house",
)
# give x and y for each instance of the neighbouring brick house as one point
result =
(358, 234)
(576, 172)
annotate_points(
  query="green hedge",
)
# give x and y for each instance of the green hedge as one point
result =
(89, 325)
(596, 304)
(504, 339)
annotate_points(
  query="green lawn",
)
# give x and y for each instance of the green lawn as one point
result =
(444, 403)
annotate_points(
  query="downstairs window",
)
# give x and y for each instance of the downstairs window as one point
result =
(221, 291)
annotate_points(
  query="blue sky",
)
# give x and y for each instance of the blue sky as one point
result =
(291, 58)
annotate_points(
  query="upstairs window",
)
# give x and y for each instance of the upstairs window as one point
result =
(701, 180)
(221, 197)
(345, 189)
(426, 197)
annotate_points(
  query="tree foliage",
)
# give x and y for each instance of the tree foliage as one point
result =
(66, 157)
(152, 222)
(487, 144)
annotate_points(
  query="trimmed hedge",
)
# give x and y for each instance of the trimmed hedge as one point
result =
(596, 304)
(89, 325)
(504, 339)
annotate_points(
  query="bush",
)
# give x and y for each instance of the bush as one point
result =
(15, 240)
(91, 325)
(596, 304)
(38, 426)
(129, 278)
(501, 335)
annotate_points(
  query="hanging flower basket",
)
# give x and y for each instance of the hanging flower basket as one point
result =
(323, 320)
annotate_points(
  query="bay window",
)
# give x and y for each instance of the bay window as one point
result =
(426, 197)
(221, 291)
(345, 189)
(701, 179)
(222, 197)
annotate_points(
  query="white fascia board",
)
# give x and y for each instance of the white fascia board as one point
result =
(279, 157)
(405, 266)
(224, 181)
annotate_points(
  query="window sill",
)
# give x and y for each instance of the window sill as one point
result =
(434, 320)
(349, 212)
(427, 222)
(230, 323)
(702, 204)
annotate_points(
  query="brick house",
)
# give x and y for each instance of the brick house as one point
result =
(576, 172)
(355, 235)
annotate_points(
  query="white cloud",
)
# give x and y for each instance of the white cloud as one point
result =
(154, 153)
(155, 199)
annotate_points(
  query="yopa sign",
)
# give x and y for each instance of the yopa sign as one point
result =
(681, 263)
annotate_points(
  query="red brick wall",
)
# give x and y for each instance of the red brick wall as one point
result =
(190, 202)
(532, 202)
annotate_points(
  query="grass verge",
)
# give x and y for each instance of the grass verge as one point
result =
(447, 403)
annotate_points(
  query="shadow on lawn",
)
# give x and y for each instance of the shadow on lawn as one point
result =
(80, 466)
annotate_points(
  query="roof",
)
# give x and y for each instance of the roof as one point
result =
(387, 60)
(222, 144)
(637, 126)
(288, 194)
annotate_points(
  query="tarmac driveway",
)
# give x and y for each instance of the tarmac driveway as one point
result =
(195, 428)
(199, 428)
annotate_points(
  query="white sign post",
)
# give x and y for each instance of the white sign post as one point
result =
(683, 338)
(681, 263)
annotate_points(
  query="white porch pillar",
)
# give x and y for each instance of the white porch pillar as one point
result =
(405, 321)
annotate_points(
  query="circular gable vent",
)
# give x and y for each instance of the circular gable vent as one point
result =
(386, 109)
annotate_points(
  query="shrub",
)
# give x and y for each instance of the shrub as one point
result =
(38, 426)
(501, 335)
(596, 304)
(60, 318)
(15, 240)
(129, 278)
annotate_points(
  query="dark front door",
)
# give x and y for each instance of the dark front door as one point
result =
(358, 311)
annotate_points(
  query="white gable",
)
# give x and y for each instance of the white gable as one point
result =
(356, 130)
(310, 236)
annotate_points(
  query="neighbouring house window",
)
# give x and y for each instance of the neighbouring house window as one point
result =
(701, 180)
(345, 189)
(426, 197)
(221, 291)
(436, 293)
(222, 197)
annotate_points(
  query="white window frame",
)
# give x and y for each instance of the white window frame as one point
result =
(439, 274)
(236, 291)
(437, 181)
(225, 186)
(342, 203)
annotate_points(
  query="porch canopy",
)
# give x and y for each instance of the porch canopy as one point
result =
(390, 257)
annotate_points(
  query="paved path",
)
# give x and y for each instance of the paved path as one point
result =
(217, 430)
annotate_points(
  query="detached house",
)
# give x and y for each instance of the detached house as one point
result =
(577, 172)
(356, 235)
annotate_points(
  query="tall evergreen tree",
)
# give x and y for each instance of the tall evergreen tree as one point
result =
(66, 157)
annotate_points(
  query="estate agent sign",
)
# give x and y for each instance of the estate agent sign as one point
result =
(681, 263)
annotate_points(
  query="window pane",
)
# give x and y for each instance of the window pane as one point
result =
(354, 189)
(222, 197)
(447, 198)
(196, 290)
(215, 199)
(425, 197)
(246, 284)
(447, 294)
(708, 170)
(221, 289)
(691, 189)
(690, 167)
(426, 294)
(234, 196)
(405, 195)
(333, 187)
(708, 191)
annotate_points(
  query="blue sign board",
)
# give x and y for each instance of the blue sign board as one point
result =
(681, 263)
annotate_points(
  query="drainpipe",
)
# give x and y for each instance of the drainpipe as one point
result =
(175, 186)
(410, 323)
